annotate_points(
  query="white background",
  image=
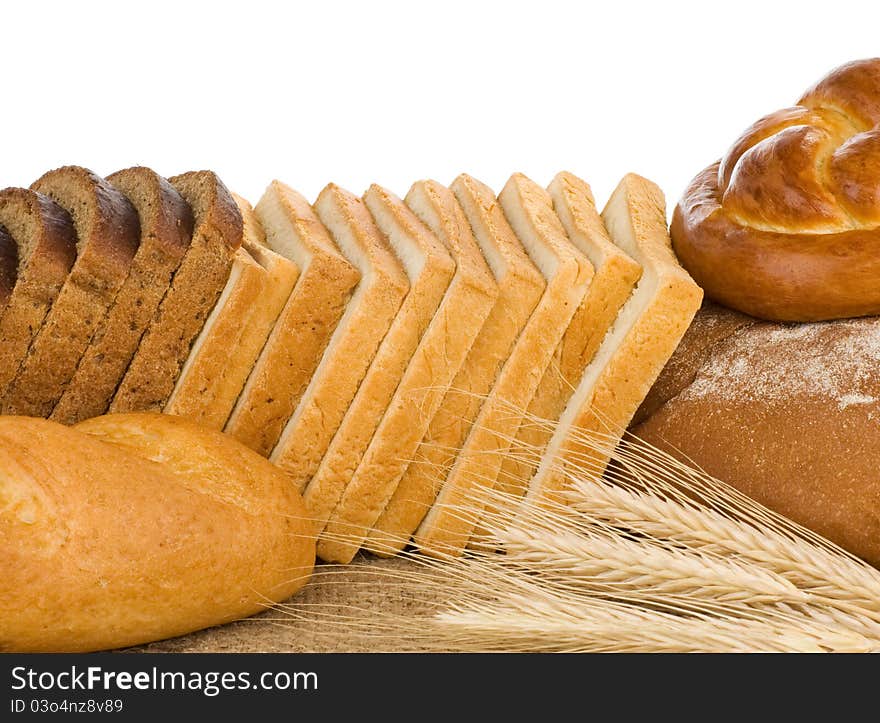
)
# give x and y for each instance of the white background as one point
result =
(390, 92)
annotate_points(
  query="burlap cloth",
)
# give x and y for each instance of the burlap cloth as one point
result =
(331, 614)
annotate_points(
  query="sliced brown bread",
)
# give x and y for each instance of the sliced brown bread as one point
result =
(643, 337)
(166, 230)
(429, 269)
(108, 235)
(231, 339)
(44, 246)
(450, 522)
(430, 209)
(8, 267)
(197, 284)
(310, 316)
(344, 364)
(519, 286)
(615, 276)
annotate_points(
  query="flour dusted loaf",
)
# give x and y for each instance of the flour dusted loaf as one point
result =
(787, 413)
(131, 528)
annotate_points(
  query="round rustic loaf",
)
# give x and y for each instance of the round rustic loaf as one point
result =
(789, 414)
(787, 225)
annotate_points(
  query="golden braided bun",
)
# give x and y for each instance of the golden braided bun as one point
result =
(787, 225)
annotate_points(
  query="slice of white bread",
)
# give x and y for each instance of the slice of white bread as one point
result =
(195, 289)
(429, 269)
(520, 286)
(310, 316)
(442, 349)
(615, 276)
(165, 233)
(108, 235)
(643, 337)
(351, 349)
(44, 251)
(236, 331)
(448, 525)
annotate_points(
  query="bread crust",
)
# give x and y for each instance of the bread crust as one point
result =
(441, 350)
(195, 288)
(103, 547)
(45, 245)
(787, 225)
(310, 316)
(108, 234)
(166, 226)
(787, 414)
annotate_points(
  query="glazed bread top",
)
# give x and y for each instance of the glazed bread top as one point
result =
(787, 225)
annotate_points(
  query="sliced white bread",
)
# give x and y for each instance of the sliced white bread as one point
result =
(519, 288)
(344, 364)
(448, 525)
(441, 351)
(233, 336)
(429, 269)
(615, 276)
(294, 348)
(643, 337)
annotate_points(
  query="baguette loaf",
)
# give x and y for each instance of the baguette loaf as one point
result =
(108, 233)
(440, 353)
(351, 349)
(299, 338)
(429, 269)
(195, 289)
(613, 281)
(234, 334)
(45, 250)
(446, 527)
(166, 230)
(643, 337)
(132, 528)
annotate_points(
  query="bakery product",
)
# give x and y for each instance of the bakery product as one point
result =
(165, 233)
(519, 287)
(195, 289)
(351, 349)
(43, 250)
(785, 226)
(294, 348)
(225, 351)
(631, 356)
(446, 528)
(8, 267)
(615, 275)
(429, 269)
(104, 546)
(108, 234)
(442, 349)
(786, 413)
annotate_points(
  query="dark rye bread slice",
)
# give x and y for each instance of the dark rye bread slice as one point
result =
(166, 229)
(45, 249)
(108, 233)
(194, 291)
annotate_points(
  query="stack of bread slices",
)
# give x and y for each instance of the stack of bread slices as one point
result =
(387, 354)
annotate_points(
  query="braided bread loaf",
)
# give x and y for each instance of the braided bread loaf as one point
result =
(787, 225)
